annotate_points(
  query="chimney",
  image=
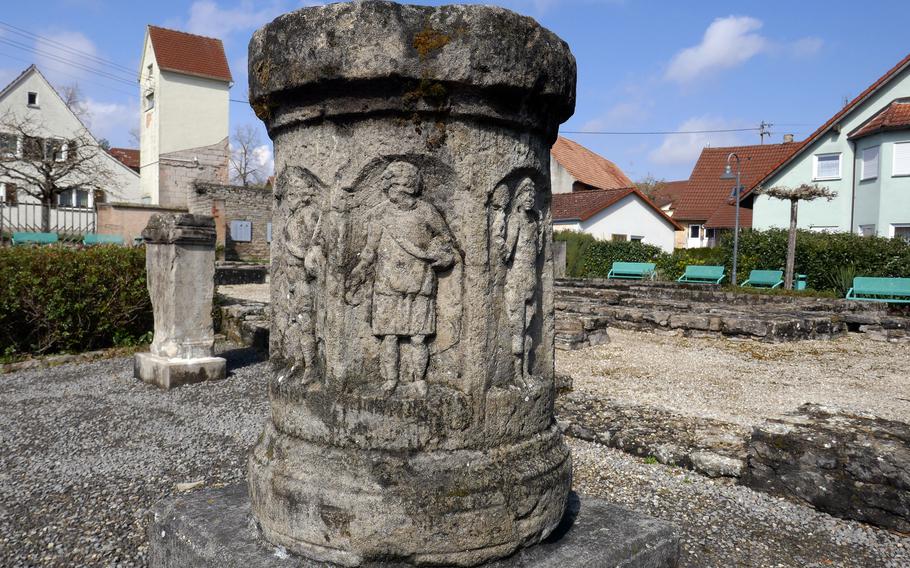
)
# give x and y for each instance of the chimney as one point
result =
(788, 138)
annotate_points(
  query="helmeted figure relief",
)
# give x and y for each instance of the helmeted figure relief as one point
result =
(408, 242)
(519, 245)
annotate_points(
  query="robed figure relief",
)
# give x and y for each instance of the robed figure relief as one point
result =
(408, 243)
(516, 232)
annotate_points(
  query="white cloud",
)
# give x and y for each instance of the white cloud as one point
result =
(619, 115)
(678, 149)
(264, 159)
(111, 121)
(806, 47)
(727, 43)
(48, 55)
(208, 18)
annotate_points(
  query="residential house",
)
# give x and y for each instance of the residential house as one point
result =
(862, 153)
(705, 208)
(185, 86)
(574, 167)
(30, 100)
(668, 194)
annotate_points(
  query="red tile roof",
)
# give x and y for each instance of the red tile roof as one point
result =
(190, 54)
(582, 205)
(725, 217)
(706, 191)
(128, 156)
(895, 116)
(871, 90)
(670, 192)
(588, 167)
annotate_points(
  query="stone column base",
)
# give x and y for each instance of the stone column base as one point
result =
(214, 528)
(169, 373)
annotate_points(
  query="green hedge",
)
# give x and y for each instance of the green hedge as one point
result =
(576, 248)
(60, 299)
(829, 259)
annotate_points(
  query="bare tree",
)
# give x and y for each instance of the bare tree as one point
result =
(650, 186)
(245, 170)
(72, 96)
(44, 167)
(804, 192)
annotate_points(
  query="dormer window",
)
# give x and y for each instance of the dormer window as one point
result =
(32, 99)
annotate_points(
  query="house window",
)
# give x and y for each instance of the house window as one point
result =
(75, 198)
(150, 100)
(710, 233)
(827, 166)
(9, 195)
(901, 231)
(55, 149)
(870, 163)
(618, 237)
(901, 163)
(867, 230)
(636, 238)
(32, 99)
(9, 145)
(694, 231)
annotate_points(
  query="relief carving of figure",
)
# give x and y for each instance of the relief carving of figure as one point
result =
(519, 244)
(408, 242)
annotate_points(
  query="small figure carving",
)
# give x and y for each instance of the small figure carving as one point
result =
(409, 242)
(519, 245)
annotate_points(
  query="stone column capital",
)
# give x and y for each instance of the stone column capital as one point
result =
(180, 228)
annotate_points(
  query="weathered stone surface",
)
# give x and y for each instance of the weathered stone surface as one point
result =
(214, 529)
(854, 466)
(412, 311)
(180, 267)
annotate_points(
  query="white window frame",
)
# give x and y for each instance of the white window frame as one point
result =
(36, 104)
(864, 175)
(863, 228)
(637, 238)
(892, 229)
(894, 172)
(698, 236)
(840, 166)
(89, 200)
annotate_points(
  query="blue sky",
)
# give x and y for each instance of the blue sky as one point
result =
(643, 66)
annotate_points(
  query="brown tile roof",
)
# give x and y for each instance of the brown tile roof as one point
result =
(895, 116)
(725, 217)
(588, 167)
(190, 54)
(862, 97)
(582, 205)
(128, 156)
(670, 192)
(706, 191)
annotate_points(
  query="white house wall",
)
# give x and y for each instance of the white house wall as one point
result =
(149, 125)
(561, 180)
(193, 111)
(630, 216)
(821, 214)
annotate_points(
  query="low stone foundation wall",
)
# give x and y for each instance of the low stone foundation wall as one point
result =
(233, 273)
(695, 310)
(244, 322)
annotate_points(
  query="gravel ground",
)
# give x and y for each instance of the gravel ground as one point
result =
(248, 292)
(87, 449)
(743, 381)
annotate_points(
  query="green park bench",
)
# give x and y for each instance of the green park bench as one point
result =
(765, 279)
(631, 270)
(34, 238)
(702, 274)
(877, 289)
(101, 239)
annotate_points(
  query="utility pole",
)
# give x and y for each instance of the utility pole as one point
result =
(763, 130)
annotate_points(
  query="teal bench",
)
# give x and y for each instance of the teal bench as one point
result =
(765, 279)
(631, 270)
(34, 238)
(101, 239)
(876, 289)
(702, 274)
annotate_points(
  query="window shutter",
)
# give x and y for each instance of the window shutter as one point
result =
(241, 231)
(870, 163)
(827, 166)
(901, 166)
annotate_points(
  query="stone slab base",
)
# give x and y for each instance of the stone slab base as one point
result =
(214, 528)
(169, 373)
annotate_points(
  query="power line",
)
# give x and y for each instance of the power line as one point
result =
(31, 35)
(67, 61)
(70, 75)
(660, 132)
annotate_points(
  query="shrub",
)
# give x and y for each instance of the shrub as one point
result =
(576, 248)
(600, 255)
(60, 299)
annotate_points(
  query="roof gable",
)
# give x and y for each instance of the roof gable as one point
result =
(895, 116)
(189, 54)
(706, 192)
(588, 167)
(582, 205)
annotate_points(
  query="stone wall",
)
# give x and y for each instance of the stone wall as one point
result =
(179, 171)
(234, 203)
(127, 219)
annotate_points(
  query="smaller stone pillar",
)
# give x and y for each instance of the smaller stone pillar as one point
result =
(180, 267)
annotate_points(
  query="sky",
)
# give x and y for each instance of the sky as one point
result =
(643, 66)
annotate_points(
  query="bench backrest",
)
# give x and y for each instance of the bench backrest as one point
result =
(871, 285)
(102, 239)
(765, 276)
(704, 272)
(34, 238)
(633, 267)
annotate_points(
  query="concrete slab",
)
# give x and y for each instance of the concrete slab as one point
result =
(169, 373)
(214, 528)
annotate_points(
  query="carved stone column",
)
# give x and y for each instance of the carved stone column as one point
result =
(180, 268)
(412, 330)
